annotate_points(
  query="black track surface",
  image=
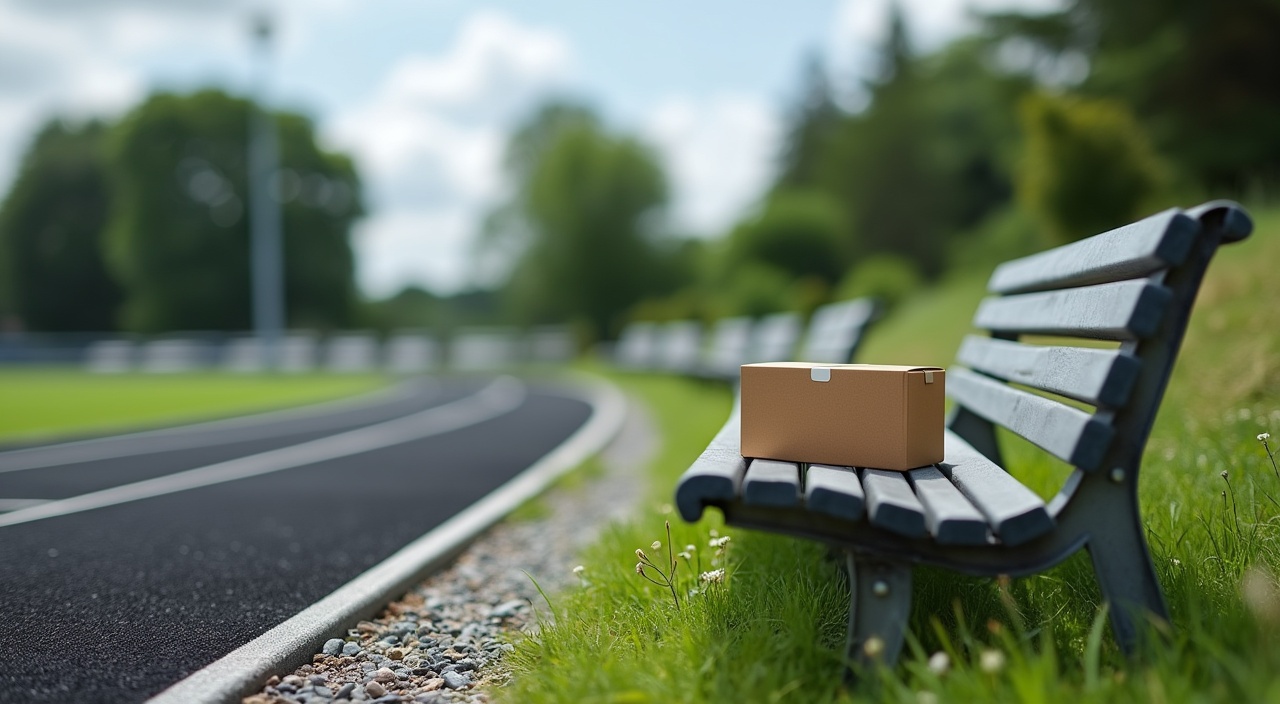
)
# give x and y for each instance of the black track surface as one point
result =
(117, 603)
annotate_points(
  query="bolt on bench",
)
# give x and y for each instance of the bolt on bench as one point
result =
(1135, 285)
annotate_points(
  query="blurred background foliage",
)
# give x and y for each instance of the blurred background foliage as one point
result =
(1031, 131)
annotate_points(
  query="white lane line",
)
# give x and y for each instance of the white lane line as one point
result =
(186, 437)
(502, 396)
(15, 504)
(245, 669)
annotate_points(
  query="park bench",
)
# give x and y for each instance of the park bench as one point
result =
(1134, 285)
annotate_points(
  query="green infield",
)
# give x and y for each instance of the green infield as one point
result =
(770, 627)
(43, 403)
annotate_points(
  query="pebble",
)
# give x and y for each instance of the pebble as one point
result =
(508, 609)
(453, 680)
(374, 689)
(351, 649)
(345, 691)
(395, 654)
(384, 675)
(334, 646)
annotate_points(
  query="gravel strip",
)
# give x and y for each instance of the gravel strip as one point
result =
(444, 640)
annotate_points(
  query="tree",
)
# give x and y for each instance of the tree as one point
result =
(814, 122)
(1199, 76)
(51, 227)
(797, 233)
(179, 236)
(1088, 166)
(583, 207)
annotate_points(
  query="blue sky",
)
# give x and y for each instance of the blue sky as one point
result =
(423, 92)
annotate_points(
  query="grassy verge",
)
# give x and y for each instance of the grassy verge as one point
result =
(43, 403)
(773, 629)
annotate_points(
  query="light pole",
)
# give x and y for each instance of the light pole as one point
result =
(265, 226)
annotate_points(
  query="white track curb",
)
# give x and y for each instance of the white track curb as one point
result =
(295, 641)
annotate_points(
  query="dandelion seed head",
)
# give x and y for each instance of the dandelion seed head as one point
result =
(712, 577)
(655, 545)
(991, 661)
(939, 663)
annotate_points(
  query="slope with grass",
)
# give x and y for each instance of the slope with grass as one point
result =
(773, 628)
(40, 404)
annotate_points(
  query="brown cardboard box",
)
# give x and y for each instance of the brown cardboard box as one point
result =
(858, 415)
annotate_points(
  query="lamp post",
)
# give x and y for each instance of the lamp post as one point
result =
(265, 226)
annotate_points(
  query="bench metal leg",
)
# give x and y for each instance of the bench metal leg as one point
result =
(879, 604)
(1123, 566)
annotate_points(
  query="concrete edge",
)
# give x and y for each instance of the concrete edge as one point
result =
(292, 643)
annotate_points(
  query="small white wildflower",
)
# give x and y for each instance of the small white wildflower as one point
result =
(640, 554)
(1263, 437)
(666, 508)
(690, 548)
(991, 661)
(939, 663)
(926, 697)
(579, 569)
(873, 647)
(656, 545)
(639, 568)
(1177, 562)
(719, 542)
(684, 555)
(712, 577)
(714, 533)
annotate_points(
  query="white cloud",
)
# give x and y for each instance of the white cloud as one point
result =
(430, 143)
(720, 154)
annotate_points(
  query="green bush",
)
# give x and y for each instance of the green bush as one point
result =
(887, 277)
(1088, 166)
(797, 232)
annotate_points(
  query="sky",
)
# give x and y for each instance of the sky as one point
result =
(423, 92)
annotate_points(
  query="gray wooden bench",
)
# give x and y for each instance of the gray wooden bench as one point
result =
(1134, 285)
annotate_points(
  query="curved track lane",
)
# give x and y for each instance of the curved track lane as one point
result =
(116, 603)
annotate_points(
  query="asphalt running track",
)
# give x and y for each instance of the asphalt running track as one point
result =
(155, 564)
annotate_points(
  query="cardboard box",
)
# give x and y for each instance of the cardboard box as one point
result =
(858, 415)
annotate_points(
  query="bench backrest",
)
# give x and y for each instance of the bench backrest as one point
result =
(775, 337)
(411, 353)
(730, 346)
(1134, 285)
(836, 330)
(636, 346)
(680, 347)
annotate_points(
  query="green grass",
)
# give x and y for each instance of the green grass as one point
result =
(48, 402)
(774, 630)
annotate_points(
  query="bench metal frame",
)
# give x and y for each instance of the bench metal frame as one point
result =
(1096, 509)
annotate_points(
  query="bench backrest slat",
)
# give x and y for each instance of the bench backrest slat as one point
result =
(775, 337)
(836, 330)
(1064, 432)
(1124, 310)
(730, 346)
(636, 346)
(680, 346)
(1094, 376)
(1128, 252)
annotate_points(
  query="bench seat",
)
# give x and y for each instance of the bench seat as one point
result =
(964, 500)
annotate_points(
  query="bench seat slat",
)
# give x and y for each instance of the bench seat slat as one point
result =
(834, 491)
(771, 483)
(1099, 377)
(948, 515)
(1068, 433)
(1128, 252)
(1125, 310)
(717, 473)
(891, 504)
(1015, 513)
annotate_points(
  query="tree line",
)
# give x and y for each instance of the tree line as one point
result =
(142, 224)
